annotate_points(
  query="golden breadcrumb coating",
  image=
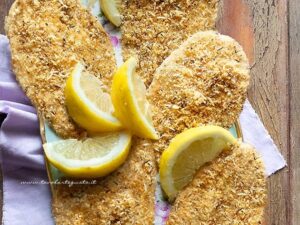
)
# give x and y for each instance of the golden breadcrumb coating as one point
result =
(204, 81)
(47, 37)
(152, 29)
(180, 100)
(229, 190)
(124, 197)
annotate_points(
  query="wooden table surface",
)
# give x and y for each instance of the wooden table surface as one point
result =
(274, 93)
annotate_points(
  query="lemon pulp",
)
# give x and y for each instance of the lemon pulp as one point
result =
(130, 103)
(93, 157)
(189, 151)
(88, 105)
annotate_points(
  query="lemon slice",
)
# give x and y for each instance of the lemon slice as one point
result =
(92, 157)
(129, 99)
(110, 10)
(87, 104)
(189, 151)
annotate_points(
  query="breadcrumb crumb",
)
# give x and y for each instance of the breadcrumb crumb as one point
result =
(47, 38)
(229, 190)
(204, 81)
(152, 29)
(124, 197)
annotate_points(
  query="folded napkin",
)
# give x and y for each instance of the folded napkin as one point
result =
(27, 199)
(256, 134)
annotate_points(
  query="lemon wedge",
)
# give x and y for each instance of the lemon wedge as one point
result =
(110, 10)
(187, 152)
(129, 99)
(90, 158)
(87, 104)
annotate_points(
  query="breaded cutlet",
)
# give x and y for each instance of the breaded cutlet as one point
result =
(204, 81)
(47, 38)
(127, 195)
(124, 197)
(152, 29)
(229, 190)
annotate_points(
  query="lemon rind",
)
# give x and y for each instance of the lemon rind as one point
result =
(93, 167)
(111, 6)
(132, 63)
(76, 83)
(179, 144)
(102, 122)
(125, 102)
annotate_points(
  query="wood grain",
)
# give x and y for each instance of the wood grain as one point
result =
(266, 48)
(274, 93)
(235, 20)
(4, 8)
(269, 93)
(294, 87)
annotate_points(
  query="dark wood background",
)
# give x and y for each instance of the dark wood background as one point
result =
(274, 93)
